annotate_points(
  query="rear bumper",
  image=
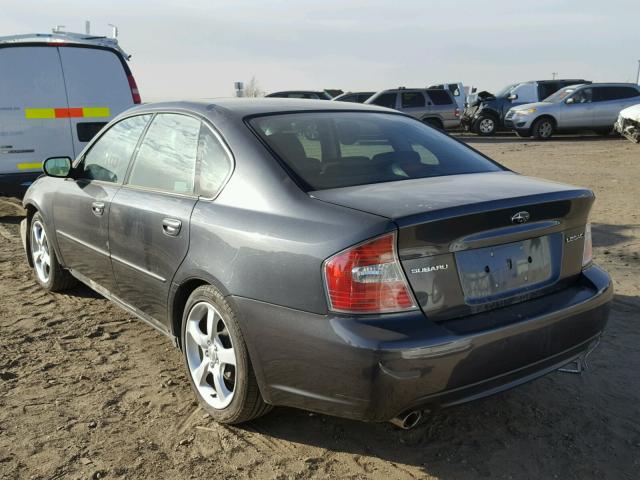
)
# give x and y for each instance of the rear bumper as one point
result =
(378, 367)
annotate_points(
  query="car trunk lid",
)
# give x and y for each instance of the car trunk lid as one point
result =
(469, 243)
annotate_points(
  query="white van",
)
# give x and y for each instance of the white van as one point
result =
(56, 92)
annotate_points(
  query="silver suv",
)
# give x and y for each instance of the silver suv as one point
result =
(578, 107)
(434, 107)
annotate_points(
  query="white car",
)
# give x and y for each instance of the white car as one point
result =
(628, 124)
(56, 92)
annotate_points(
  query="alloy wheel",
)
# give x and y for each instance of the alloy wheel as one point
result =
(40, 252)
(210, 355)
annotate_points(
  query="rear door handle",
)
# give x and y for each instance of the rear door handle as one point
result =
(97, 208)
(171, 226)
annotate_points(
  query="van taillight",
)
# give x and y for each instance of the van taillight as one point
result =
(368, 278)
(457, 112)
(134, 89)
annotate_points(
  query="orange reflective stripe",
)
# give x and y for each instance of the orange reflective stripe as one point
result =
(68, 112)
(75, 112)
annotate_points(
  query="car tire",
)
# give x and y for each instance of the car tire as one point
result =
(485, 126)
(217, 360)
(543, 128)
(434, 122)
(46, 267)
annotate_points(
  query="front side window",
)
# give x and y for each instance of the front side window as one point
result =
(166, 159)
(109, 157)
(583, 96)
(412, 99)
(385, 100)
(356, 148)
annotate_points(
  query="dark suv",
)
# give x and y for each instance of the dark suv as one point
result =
(486, 115)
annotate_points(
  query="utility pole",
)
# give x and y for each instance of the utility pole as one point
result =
(638, 79)
(554, 75)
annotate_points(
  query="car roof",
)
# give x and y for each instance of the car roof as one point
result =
(63, 39)
(610, 84)
(297, 91)
(244, 107)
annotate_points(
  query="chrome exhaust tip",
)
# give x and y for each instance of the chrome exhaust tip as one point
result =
(407, 420)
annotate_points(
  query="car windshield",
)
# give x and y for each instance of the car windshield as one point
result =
(341, 149)
(560, 95)
(505, 91)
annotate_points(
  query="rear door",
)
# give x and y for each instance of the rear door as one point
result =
(81, 205)
(97, 87)
(412, 102)
(32, 103)
(150, 214)
(609, 101)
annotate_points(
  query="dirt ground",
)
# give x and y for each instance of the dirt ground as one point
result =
(87, 391)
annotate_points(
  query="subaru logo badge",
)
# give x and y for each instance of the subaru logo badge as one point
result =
(520, 217)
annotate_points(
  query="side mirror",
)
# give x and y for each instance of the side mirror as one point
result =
(59, 167)
(512, 97)
(570, 101)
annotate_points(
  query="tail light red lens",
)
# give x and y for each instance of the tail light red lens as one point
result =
(134, 90)
(457, 112)
(587, 254)
(368, 278)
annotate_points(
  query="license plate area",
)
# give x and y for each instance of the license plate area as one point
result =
(491, 273)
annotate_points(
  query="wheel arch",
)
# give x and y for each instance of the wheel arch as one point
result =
(31, 211)
(179, 295)
(433, 119)
(546, 115)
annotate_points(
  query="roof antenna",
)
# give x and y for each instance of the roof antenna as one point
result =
(114, 30)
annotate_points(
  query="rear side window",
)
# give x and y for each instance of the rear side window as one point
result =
(440, 97)
(385, 100)
(213, 161)
(109, 157)
(603, 94)
(412, 99)
(356, 148)
(166, 159)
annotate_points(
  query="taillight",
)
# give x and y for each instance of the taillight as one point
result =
(134, 89)
(587, 253)
(368, 278)
(457, 112)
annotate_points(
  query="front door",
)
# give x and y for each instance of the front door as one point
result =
(150, 214)
(577, 111)
(81, 206)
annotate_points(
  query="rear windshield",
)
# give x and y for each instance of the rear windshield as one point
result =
(341, 149)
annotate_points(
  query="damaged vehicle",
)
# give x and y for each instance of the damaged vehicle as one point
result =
(377, 271)
(628, 124)
(485, 116)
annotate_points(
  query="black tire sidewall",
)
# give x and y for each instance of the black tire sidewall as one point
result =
(231, 412)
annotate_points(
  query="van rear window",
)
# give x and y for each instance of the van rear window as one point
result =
(87, 130)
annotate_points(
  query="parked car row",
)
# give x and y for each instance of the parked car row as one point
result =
(541, 108)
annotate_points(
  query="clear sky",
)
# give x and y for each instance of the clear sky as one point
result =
(198, 48)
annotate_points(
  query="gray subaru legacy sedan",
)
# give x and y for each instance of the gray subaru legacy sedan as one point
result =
(340, 258)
